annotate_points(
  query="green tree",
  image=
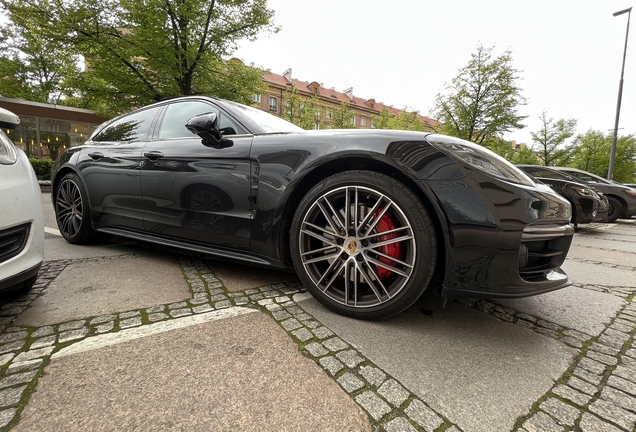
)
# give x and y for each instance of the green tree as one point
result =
(591, 152)
(514, 154)
(301, 110)
(142, 51)
(550, 139)
(407, 121)
(341, 117)
(382, 121)
(483, 100)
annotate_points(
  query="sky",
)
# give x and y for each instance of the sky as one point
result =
(403, 52)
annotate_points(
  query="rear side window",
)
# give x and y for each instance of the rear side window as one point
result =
(133, 127)
(178, 114)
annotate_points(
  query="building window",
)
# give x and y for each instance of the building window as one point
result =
(329, 114)
(363, 121)
(256, 98)
(353, 120)
(272, 104)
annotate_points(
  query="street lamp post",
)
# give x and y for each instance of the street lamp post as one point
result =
(610, 171)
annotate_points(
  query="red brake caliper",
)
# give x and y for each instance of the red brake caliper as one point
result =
(393, 249)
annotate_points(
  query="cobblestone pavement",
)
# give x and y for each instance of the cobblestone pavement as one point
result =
(596, 393)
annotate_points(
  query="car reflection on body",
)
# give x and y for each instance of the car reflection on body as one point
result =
(588, 204)
(368, 219)
(21, 214)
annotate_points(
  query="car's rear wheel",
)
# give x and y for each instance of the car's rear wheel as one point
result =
(363, 244)
(615, 209)
(72, 210)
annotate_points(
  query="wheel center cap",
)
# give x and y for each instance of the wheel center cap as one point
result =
(352, 246)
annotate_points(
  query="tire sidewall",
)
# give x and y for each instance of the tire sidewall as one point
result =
(84, 233)
(616, 209)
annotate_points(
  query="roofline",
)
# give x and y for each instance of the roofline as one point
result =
(46, 105)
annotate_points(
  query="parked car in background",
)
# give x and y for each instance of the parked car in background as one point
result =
(588, 204)
(622, 199)
(21, 214)
(367, 218)
(631, 185)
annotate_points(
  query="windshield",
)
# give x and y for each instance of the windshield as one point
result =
(588, 177)
(267, 122)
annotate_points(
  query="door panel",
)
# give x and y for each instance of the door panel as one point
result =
(193, 191)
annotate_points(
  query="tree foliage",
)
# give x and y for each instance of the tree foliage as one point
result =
(341, 117)
(516, 154)
(591, 152)
(142, 51)
(483, 100)
(306, 112)
(549, 141)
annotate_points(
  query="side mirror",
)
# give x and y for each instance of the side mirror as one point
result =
(207, 127)
(8, 120)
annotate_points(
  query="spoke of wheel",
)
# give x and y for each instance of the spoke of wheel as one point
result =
(75, 225)
(383, 233)
(371, 212)
(368, 269)
(371, 284)
(66, 224)
(63, 204)
(404, 263)
(336, 215)
(78, 201)
(394, 269)
(324, 231)
(355, 211)
(390, 241)
(336, 272)
(324, 275)
(322, 258)
(324, 249)
(377, 219)
(319, 237)
(347, 210)
(356, 279)
(62, 195)
(329, 219)
(347, 281)
(78, 216)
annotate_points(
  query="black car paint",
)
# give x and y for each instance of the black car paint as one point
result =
(260, 180)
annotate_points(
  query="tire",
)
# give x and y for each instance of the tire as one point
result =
(349, 271)
(615, 209)
(72, 210)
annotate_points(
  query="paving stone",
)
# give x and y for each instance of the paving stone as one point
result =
(43, 342)
(18, 378)
(564, 413)
(592, 365)
(202, 309)
(125, 315)
(623, 328)
(316, 349)
(16, 367)
(5, 358)
(622, 384)
(604, 349)
(393, 392)
(423, 415)
(241, 301)
(573, 342)
(312, 324)
(265, 302)
(11, 396)
(335, 344)
(350, 382)
(154, 317)
(350, 358)
(631, 352)
(6, 416)
(625, 371)
(619, 398)
(73, 325)
(176, 313)
(179, 305)
(12, 311)
(588, 376)
(72, 335)
(322, 332)
(303, 316)
(42, 331)
(610, 412)
(548, 325)
(591, 423)
(582, 386)
(373, 375)
(526, 317)
(577, 335)
(302, 334)
(399, 424)
(375, 406)
(541, 422)
(294, 310)
(282, 299)
(256, 297)
(281, 315)
(603, 358)
(155, 309)
(103, 328)
(11, 346)
(130, 322)
(569, 393)
(331, 364)
(273, 307)
(12, 337)
(223, 304)
(33, 354)
(291, 324)
(547, 332)
(615, 339)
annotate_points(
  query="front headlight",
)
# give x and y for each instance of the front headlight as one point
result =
(583, 191)
(631, 192)
(481, 158)
(8, 152)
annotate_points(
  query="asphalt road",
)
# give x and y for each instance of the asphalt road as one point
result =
(120, 336)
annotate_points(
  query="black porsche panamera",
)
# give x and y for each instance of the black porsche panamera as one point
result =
(368, 219)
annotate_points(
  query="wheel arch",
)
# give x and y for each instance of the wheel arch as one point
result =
(621, 200)
(59, 175)
(362, 163)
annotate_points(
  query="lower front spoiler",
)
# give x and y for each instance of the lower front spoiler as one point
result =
(558, 276)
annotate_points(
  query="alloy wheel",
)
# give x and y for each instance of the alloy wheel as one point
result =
(69, 208)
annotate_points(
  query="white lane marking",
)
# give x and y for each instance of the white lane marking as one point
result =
(52, 231)
(302, 296)
(108, 339)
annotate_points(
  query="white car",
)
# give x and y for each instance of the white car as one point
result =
(21, 214)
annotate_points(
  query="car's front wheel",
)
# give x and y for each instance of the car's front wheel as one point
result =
(615, 209)
(363, 244)
(72, 210)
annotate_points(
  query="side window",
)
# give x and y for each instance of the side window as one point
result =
(133, 127)
(178, 114)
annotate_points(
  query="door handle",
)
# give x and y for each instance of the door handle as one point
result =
(96, 155)
(153, 155)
